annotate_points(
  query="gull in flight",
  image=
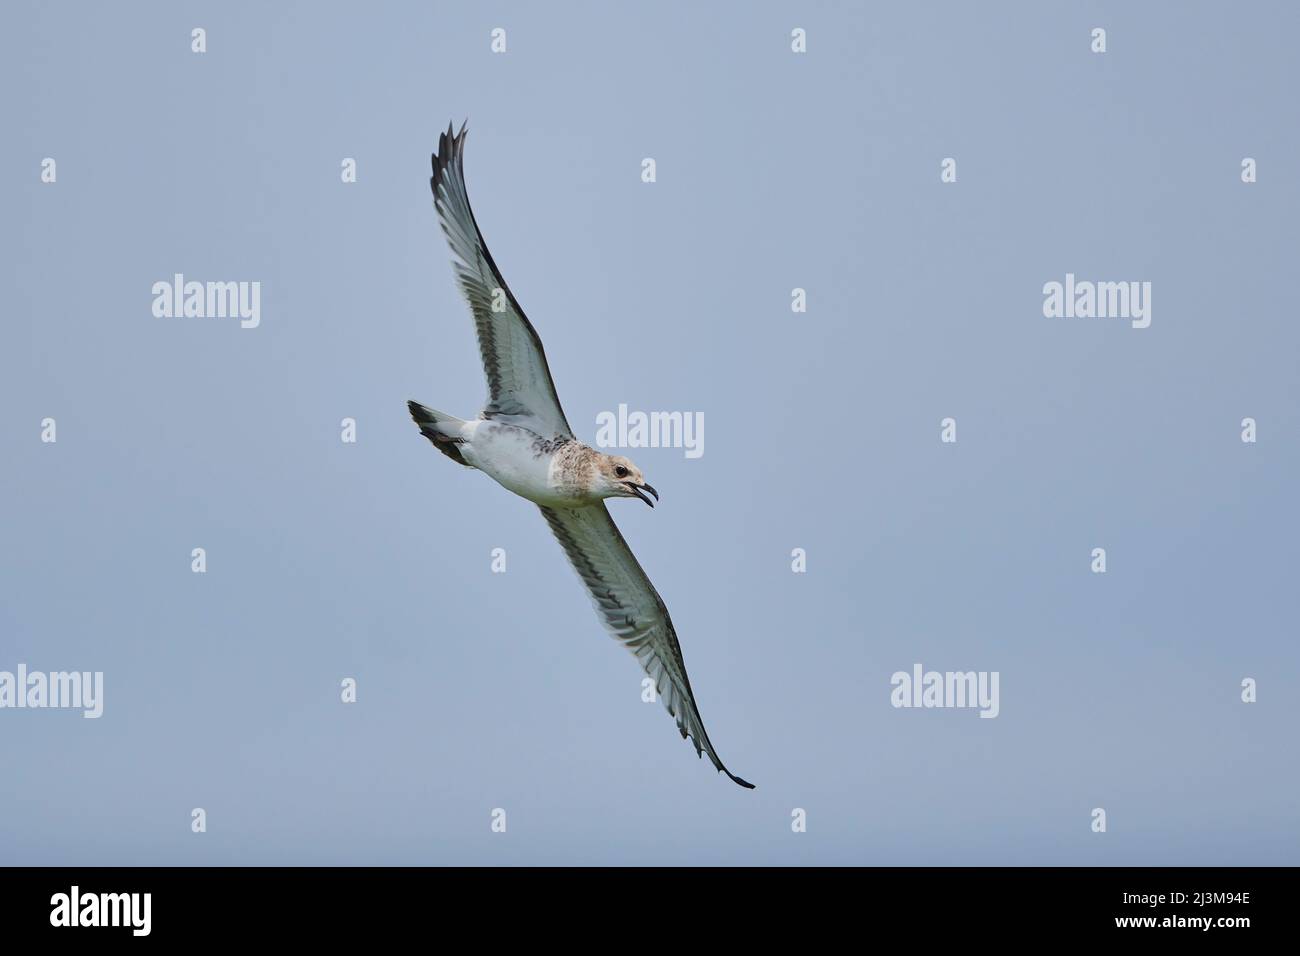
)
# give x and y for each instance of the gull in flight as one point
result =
(523, 442)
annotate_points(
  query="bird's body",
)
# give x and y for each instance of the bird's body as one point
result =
(554, 472)
(523, 462)
(522, 441)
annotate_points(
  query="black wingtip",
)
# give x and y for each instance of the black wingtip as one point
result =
(744, 783)
(450, 144)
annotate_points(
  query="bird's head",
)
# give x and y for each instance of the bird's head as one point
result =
(617, 477)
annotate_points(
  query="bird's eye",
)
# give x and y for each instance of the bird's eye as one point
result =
(620, 471)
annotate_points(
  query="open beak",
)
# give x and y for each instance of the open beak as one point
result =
(639, 489)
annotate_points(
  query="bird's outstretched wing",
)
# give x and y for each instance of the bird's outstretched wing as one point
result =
(519, 382)
(632, 611)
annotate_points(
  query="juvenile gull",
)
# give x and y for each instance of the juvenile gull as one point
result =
(523, 441)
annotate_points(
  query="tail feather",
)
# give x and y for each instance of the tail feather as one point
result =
(441, 429)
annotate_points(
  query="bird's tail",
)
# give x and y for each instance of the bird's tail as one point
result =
(440, 428)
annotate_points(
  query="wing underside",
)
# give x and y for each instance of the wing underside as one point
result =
(632, 612)
(519, 381)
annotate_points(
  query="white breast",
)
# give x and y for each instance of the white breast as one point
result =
(511, 457)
